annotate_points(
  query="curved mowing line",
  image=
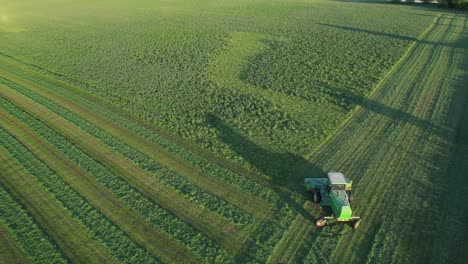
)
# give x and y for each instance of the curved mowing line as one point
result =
(10, 250)
(243, 200)
(71, 237)
(219, 229)
(135, 226)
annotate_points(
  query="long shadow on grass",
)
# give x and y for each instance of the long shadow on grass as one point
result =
(286, 171)
(396, 36)
(399, 116)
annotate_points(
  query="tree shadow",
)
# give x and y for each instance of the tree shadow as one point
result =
(395, 36)
(399, 116)
(286, 171)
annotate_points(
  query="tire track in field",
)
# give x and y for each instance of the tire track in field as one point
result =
(410, 135)
(134, 225)
(70, 236)
(214, 226)
(322, 156)
(10, 250)
(246, 201)
(366, 166)
(436, 175)
(366, 131)
(381, 190)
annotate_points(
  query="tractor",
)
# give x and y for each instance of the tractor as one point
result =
(335, 192)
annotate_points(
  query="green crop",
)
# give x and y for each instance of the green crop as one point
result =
(119, 244)
(307, 50)
(29, 235)
(190, 125)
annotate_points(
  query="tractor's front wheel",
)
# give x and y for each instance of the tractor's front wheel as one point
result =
(321, 222)
(356, 224)
(316, 196)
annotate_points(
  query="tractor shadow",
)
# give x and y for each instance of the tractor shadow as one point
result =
(285, 171)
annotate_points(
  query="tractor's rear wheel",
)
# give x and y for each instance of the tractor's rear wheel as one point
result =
(321, 222)
(356, 224)
(316, 196)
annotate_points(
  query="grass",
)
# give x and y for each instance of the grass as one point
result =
(395, 179)
(209, 223)
(77, 244)
(152, 213)
(26, 232)
(10, 250)
(245, 201)
(185, 150)
(181, 131)
(163, 78)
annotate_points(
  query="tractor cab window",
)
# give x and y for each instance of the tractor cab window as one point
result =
(337, 187)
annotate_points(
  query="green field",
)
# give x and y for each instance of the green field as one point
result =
(180, 131)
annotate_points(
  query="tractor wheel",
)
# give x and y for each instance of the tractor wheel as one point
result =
(356, 224)
(321, 222)
(316, 196)
(350, 196)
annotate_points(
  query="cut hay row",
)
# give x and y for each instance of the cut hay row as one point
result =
(394, 203)
(161, 173)
(26, 231)
(71, 237)
(299, 232)
(374, 137)
(204, 220)
(325, 153)
(267, 233)
(104, 202)
(193, 174)
(212, 164)
(132, 198)
(10, 249)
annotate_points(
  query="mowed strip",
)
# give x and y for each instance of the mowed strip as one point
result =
(193, 174)
(11, 67)
(426, 104)
(418, 93)
(78, 245)
(10, 250)
(213, 225)
(298, 233)
(133, 224)
(361, 140)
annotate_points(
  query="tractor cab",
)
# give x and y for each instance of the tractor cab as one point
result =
(337, 182)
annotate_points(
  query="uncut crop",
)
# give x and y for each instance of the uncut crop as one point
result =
(181, 131)
(307, 52)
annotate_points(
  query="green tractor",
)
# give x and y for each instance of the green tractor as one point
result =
(335, 192)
